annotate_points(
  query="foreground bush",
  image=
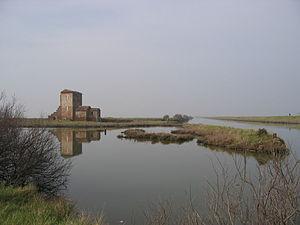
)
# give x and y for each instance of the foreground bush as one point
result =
(29, 156)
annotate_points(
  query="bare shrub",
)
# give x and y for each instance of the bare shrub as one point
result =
(238, 197)
(29, 156)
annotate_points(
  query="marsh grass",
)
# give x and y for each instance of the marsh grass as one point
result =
(235, 138)
(215, 136)
(26, 206)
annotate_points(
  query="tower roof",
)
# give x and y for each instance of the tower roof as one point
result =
(66, 91)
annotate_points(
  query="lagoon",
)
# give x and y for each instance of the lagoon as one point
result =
(123, 177)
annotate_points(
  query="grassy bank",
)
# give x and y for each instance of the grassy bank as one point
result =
(285, 120)
(106, 123)
(25, 206)
(258, 141)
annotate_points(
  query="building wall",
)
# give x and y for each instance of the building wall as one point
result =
(77, 100)
(82, 115)
(96, 114)
(66, 104)
(69, 102)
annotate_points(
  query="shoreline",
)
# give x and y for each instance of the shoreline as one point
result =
(276, 120)
(106, 123)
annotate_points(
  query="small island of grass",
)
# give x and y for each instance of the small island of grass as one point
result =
(258, 141)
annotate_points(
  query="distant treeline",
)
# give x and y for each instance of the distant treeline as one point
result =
(178, 117)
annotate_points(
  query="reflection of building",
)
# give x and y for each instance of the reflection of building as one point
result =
(87, 136)
(71, 140)
(68, 144)
(71, 108)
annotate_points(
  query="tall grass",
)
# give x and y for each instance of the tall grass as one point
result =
(25, 206)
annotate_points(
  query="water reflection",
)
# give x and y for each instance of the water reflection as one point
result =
(261, 158)
(122, 177)
(71, 140)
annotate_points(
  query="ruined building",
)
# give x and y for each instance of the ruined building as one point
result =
(71, 108)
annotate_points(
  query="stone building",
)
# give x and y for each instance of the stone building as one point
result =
(71, 108)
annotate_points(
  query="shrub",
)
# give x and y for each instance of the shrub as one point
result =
(29, 156)
(166, 117)
(262, 132)
(182, 118)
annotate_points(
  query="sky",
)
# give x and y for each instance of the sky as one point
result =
(153, 57)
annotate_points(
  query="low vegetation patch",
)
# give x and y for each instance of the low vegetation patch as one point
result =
(259, 141)
(165, 138)
(235, 138)
(26, 206)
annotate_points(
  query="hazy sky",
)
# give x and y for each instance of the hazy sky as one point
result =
(152, 57)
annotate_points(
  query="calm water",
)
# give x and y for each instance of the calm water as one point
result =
(123, 177)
